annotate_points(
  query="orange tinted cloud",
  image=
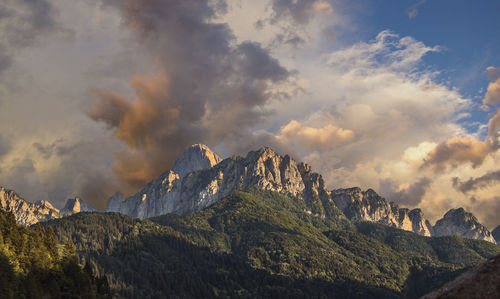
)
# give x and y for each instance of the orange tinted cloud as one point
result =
(459, 150)
(144, 124)
(492, 96)
(322, 137)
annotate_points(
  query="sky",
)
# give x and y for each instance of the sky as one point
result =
(400, 96)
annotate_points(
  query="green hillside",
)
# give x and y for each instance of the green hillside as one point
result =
(263, 244)
(32, 265)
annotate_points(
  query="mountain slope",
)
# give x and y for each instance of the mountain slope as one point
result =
(261, 244)
(482, 281)
(31, 265)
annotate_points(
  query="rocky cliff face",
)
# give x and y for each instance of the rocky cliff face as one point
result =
(76, 205)
(26, 213)
(199, 178)
(206, 179)
(496, 234)
(461, 223)
(195, 157)
(369, 206)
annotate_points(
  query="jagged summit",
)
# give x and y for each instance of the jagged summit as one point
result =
(76, 205)
(26, 213)
(462, 223)
(200, 178)
(359, 205)
(195, 157)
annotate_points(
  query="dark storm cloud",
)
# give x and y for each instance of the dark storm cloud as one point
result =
(411, 196)
(58, 148)
(471, 184)
(207, 87)
(22, 23)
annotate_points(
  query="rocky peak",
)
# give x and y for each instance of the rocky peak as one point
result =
(114, 202)
(76, 205)
(195, 157)
(461, 223)
(45, 204)
(420, 225)
(496, 234)
(195, 190)
(26, 213)
(359, 205)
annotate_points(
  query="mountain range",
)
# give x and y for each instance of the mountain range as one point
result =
(259, 226)
(200, 177)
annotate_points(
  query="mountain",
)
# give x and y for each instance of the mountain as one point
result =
(187, 192)
(26, 213)
(76, 205)
(263, 244)
(367, 205)
(200, 178)
(195, 157)
(461, 223)
(496, 234)
(482, 281)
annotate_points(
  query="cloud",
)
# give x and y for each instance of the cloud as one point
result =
(291, 19)
(460, 150)
(411, 195)
(207, 86)
(492, 96)
(299, 12)
(325, 137)
(413, 10)
(23, 23)
(477, 183)
(456, 151)
(489, 209)
(5, 146)
(388, 52)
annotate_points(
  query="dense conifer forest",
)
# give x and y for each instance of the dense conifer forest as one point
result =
(263, 244)
(34, 265)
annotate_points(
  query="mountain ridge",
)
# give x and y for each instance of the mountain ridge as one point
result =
(208, 182)
(200, 177)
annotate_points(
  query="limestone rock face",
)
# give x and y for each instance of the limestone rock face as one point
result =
(187, 189)
(420, 225)
(367, 205)
(461, 223)
(76, 205)
(195, 157)
(496, 234)
(26, 213)
(199, 178)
